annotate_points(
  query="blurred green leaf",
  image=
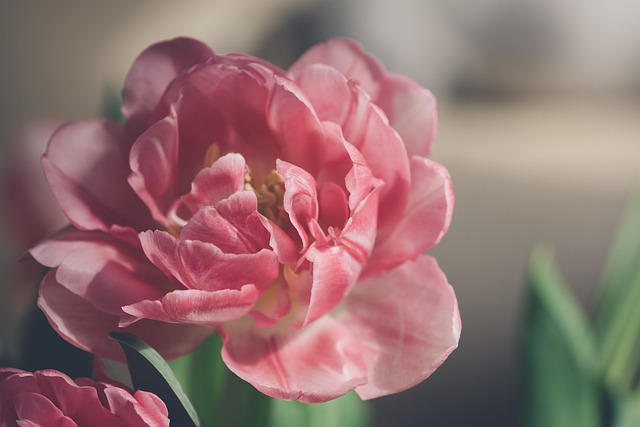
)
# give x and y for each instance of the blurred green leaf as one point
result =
(346, 411)
(150, 372)
(558, 353)
(617, 321)
(203, 375)
(628, 411)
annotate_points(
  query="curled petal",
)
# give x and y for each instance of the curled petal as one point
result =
(196, 306)
(154, 163)
(315, 364)
(424, 222)
(233, 225)
(408, 324)
(86, 327)
(223, 178)
(203, 266)
(300, 198)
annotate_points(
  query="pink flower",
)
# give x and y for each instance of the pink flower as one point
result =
(48, 398)
(285, 210)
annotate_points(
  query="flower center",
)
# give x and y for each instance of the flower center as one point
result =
(270, 196)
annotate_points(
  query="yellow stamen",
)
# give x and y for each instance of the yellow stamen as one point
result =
(212, 154)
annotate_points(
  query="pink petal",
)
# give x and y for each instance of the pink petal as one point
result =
(273, 304)
(334, 207)
(223, 178)
(412, 111)
(201, 265)
(425, 220)
(86, 166)
(197, 307)
(86, 327)
(283, 246)
(100, 269)
(224, 106)
(335, 271)
(295, 126)
(154, 163)
(342, 102)
(152, 72)
(408, 324)
(349, 58)
(35, 410)
(233, 225)
(300, 198)
(315, 364)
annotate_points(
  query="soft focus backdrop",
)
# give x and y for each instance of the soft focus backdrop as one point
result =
(539, 127)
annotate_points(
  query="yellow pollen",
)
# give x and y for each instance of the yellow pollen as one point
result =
(270, 196)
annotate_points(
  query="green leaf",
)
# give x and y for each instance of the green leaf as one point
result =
(617, 319)
(627, 412)
(346, 411)
(559, 358)
(203, 376)
(151, 373)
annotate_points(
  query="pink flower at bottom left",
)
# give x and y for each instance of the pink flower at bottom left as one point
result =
(50, 398)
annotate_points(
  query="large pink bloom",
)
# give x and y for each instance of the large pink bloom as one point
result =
(287, 211)
(50, 398)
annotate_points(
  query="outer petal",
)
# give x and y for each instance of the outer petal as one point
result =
(424, 222)
(315, 364)
(86, 327)
(408, 323)
(152, 72)
(412, 111)
(86, 166)
(143, 409)
(348, 57)
(197, 307)
(101, 270)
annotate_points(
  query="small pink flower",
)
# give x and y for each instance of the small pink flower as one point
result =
(48, 398)
(285, 210)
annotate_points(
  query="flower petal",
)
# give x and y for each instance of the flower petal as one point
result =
(87, 168)
(424, 222)
(408, 324)
(364, 126)
(315, 364)
(33, 410)
(300, 198)
(348, 57)
(154, 162)
(223, 178)
(86, 327)
(153, 70)
(233, 225)
(102, 270)
(412, 111)
(197, 307)
(203, 266)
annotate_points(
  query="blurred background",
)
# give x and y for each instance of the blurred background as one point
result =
(539, 127)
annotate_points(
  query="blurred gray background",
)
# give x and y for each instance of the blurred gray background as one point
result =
(539, 127)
